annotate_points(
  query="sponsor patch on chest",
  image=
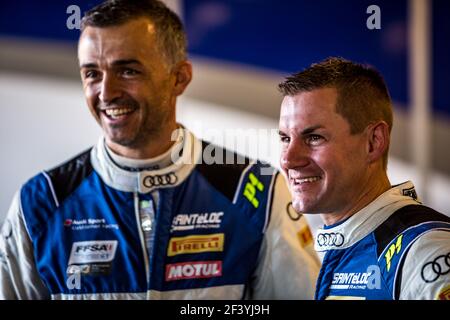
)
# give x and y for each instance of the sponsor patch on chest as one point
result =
(92, 251)
(193, 270)
(191, 221)
(195, 244)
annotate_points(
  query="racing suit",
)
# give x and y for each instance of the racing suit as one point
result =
(394, 248)
(92, 229)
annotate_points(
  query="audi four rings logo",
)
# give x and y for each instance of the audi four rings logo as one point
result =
(156, 181)
(330, 239)
(432, 270)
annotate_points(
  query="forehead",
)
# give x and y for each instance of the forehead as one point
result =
(133, 39)
(309, 108)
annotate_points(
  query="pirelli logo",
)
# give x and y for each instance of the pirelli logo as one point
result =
(195, 244)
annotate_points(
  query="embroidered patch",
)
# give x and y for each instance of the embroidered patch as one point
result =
(85, 252)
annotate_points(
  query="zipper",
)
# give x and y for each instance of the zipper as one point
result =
(142, 238)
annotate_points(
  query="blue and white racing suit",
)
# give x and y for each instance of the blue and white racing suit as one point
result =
(90, 229)
(394, 248)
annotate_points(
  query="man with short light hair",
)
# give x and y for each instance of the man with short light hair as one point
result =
(379, 241)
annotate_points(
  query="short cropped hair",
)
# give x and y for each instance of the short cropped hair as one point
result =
(169, 28)
(363, 97)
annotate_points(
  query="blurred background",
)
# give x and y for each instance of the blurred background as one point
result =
(241, 50)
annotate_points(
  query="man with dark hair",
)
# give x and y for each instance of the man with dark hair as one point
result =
(140, 216)
(378, 241)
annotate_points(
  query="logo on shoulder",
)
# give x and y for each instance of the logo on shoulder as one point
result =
(85, 252)
(393, 251)
(195, 244)
(252, 187)
(439, 266)
(193, 270)
(410, 192)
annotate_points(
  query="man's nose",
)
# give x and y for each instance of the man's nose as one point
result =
(295, 155)
(109, 89)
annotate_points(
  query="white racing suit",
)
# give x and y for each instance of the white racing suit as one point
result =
(89, 229)
(394, 248)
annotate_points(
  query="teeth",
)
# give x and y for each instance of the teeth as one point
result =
(306, 180)
(114, 113)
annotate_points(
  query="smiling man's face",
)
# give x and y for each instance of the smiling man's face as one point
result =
(325, 165)
(127, 82)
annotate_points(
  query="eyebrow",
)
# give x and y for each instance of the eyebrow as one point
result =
(304, 131)
(310, 129)
(115, 63)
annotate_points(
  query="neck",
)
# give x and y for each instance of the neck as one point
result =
(374, 187)
(151, 148)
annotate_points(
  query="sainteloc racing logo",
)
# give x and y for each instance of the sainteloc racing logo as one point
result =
(192, 221)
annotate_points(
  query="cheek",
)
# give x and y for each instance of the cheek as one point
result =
(91, 101)
(331, 162)
(282, 159)
(89, 93)
(324, 158)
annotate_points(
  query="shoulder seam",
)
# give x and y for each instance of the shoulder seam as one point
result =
(270, 201)
(49, 180)
(241, 178)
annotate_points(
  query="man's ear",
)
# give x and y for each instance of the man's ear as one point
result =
(183, 76)
(377, 141)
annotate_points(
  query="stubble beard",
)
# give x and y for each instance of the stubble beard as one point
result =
(148, 131)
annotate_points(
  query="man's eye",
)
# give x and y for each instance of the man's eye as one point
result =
(129, 72)
(285, 139)
(314, 139)
(91, 74)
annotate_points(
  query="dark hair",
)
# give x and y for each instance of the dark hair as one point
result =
(363, 97)
(169, 28)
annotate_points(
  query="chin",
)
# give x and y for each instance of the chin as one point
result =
(304, 206)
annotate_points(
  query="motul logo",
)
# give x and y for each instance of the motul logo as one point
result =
(196, 244)
(193, 270)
